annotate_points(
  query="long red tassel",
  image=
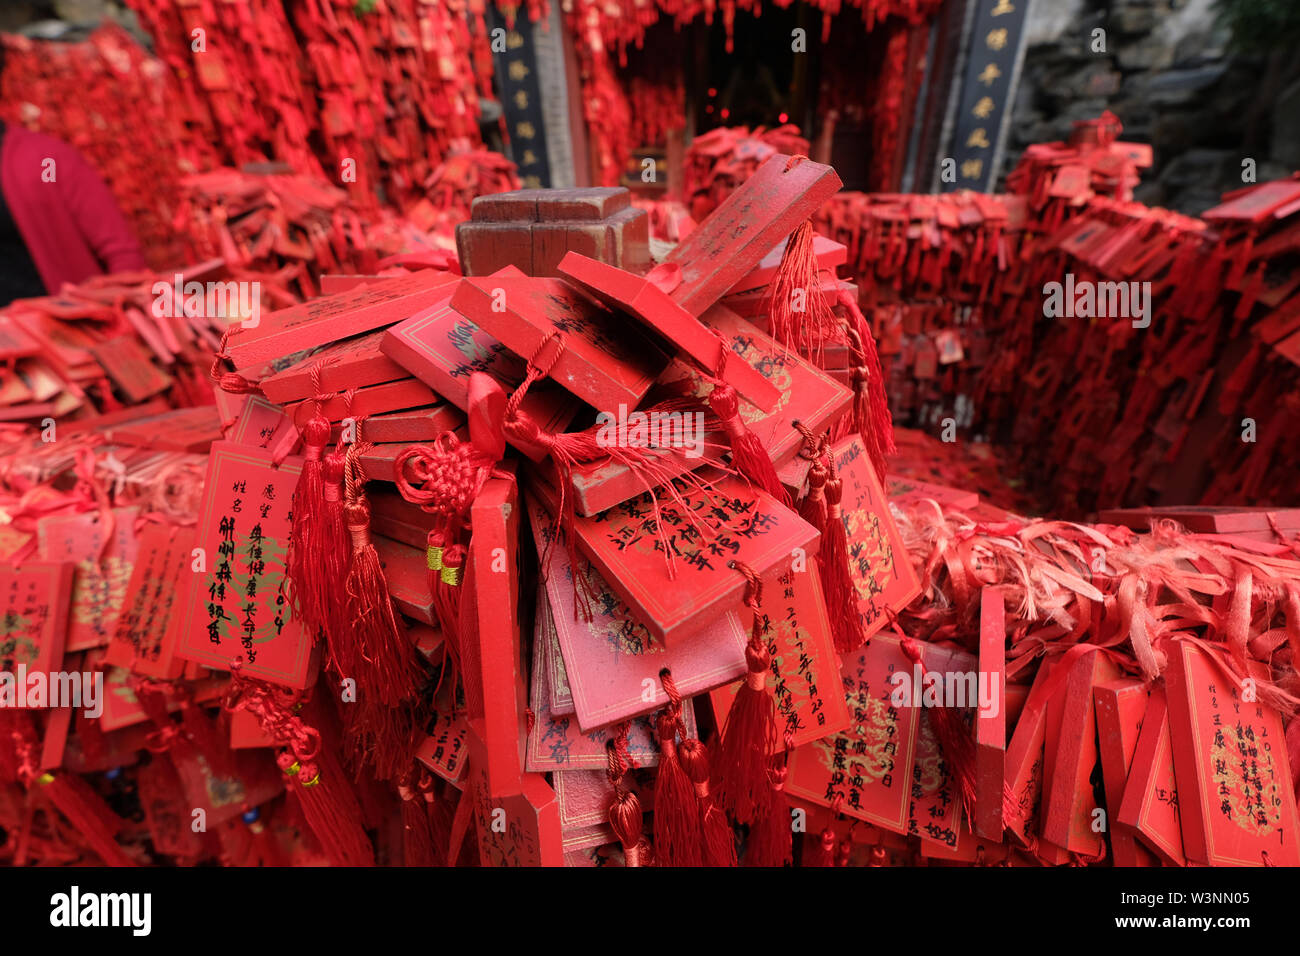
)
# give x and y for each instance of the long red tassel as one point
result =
(748, 456)
(813, 506)
(387, 664)
(798, 281)
(315, 777)
(625, 809)
(954, 738)
(446, 588)
(771, 839)
(333, 560)
(675, 828)
(749, 734)
(718, 839)
(871, 416)
(329, 808)
(821, 509)
(308, 587)
(417, 838)
(833, 563)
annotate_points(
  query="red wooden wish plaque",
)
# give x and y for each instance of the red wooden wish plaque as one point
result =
(653, 307)
(1150, 802)
(804, 680)
(864, 771)
(736, 236)
(351, 363)
(102, 570)
(236, 608)
(143, 636)
(882, 574)
(603, 362)
(611, 662)
(671, 565)
(332, 318)
(1233, 776)
(443, 348)
(1121, 706)
(34, 617)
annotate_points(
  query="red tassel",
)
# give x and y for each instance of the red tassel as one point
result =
(315, 777)
(308, 587)
(387, 667)
(625, 808)
(749, 734)
(748, 456)
(798, 283)
(330, 809)
(771, 839)
(821, 509)
(675, 830)
(833, 564)
(417, 838)
(718, 839)
(813, 507)
(625, 818)
(954, 738)
(333, 560)
(871, 416)
(445, 589)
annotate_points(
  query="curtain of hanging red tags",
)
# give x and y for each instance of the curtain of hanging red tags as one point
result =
(614, 105)
(96, 96)
(1201, 366)
(382, 93)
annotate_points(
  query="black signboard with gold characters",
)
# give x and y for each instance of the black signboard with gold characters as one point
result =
(514, 58)
(986, 98)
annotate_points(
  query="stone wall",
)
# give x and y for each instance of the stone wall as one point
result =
(1169, 73)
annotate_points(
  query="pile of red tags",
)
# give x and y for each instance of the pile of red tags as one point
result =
(133, 344)
(301, 227)
(1176, 647)
(486, 543)
(185, 207)
(1059, 176)
(604, 548)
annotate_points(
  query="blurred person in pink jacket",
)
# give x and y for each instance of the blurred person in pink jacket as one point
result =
(58, 221)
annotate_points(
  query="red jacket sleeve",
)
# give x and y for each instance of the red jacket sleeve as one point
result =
(96, 214)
